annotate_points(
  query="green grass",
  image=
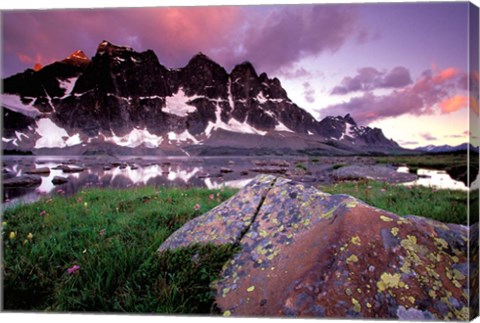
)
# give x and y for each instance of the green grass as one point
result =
(443, 205)
(113, 236)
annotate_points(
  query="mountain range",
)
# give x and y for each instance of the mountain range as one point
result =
(447, 148)
(125, 102)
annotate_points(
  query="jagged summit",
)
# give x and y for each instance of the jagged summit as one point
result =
(77, 58)
(124, 98)
(78, 54)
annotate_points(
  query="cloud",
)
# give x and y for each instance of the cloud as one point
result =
(455, 136)
(175, 34)
(369, 78)
(294, 73)
(429, 94)
(308, 92)
(454, 103)
(427, 136)
(290, 33)
(407, 143)
(271, 37)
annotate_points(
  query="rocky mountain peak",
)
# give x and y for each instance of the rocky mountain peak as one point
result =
(128, 99)
(106, 47)
(348, 118)
(77, 58)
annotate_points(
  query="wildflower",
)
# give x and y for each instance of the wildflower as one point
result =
(30, 236)
(218, 194)
(43, 213)
(85, 204)
(79, 200)
(102, 232)
(211, 196)
(383, 190)
(197, 207)
(12, 235)
(73, 269)
(4, 223)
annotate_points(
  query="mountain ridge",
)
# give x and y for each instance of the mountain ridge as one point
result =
(128, 99)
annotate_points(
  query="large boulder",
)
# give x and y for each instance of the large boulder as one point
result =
(310, 254)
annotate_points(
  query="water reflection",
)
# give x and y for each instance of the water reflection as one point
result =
(434, 178)
(123, 174)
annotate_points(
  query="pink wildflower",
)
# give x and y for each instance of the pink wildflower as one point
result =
(43, 213)
(73, 269)
(211, 196)
(383, 190)
(79, 200)
(218, 194)
(197, 207)
(102, 232)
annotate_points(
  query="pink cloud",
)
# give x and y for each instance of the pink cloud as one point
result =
(454, 103)
(175, 34)
(271, 37)
(369, 78)
(430, 93)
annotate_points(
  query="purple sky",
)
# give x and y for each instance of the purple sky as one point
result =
(382, 63)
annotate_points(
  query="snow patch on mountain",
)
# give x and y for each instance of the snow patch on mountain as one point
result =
(136, 138)
(178, 104)
(184, 136)
(68, 85)
(348, 131)
(14, 103)
(233, 125)
(52, 136)
(282, 127)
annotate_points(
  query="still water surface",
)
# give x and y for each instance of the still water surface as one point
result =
(208, 172)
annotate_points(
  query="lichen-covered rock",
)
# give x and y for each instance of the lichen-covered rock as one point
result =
(310, 254)
(227, 222)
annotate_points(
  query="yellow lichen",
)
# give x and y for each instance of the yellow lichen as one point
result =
(263, 233)
(227, 313)
(352, 258)
(394, 231)
(386, 218)
(250, 289)
(351, 203)
(458, 275)
(463, 314)
(356, 305)
(411, 299)
(388, 280)
(356, 240)
(441, 243)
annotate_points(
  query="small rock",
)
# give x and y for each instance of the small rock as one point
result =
(39, 171)
(73, 169)
(226, 170)
(22, 181)
(57, 180)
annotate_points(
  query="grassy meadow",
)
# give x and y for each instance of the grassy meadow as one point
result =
(96, 251)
